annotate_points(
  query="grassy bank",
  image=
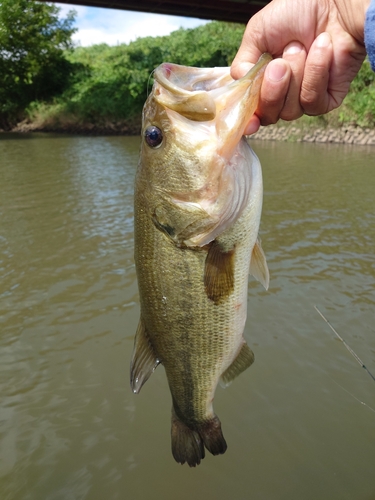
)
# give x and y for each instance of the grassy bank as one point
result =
(108, 85)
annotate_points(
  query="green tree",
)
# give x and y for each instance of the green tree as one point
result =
(116, 80)
(32, 61)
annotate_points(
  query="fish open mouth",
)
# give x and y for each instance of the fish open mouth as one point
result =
(199, 94)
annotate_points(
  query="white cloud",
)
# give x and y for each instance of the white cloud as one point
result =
(97, 25)
(64, 9)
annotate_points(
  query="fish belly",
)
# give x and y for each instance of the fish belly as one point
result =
(194, 337)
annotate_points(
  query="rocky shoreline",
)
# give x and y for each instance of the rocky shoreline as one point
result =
(350, 134)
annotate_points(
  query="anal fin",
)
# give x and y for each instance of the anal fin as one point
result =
(219, 273)
(258, 265)
(243, 360)
(144, 360)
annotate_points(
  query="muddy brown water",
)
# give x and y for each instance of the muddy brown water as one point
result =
(300, 423)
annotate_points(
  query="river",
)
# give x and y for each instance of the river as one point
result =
(300, 423)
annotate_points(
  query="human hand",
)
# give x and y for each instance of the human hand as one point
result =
(319, 49)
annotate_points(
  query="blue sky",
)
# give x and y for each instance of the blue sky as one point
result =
(120, 26)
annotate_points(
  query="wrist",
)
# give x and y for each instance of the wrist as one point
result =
(352, 14)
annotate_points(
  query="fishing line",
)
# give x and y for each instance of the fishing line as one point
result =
(148, 81)
(350, 394)
(357, 358)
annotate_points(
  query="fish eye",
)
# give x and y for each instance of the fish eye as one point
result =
(153, 136)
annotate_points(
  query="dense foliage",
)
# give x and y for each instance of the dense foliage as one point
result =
(33, 43)
(111, 82)
(359, 105)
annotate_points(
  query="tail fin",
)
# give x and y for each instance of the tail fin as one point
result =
(188, 444)
(212, 436)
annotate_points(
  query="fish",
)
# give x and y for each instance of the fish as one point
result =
(197, 209)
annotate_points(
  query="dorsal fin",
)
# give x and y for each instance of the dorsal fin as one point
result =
(258, 265)
(243, 360)
(144, 360)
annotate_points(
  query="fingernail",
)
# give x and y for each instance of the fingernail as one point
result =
(293, 48)
(276, 70)
(323, 40)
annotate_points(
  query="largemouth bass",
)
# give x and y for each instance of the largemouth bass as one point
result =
(198, 201)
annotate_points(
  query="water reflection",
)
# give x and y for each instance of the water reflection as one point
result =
(70, 426)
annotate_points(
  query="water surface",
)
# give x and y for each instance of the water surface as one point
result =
(300, 424)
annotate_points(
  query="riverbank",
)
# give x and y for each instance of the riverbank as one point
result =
(289, 132)
(72, 126)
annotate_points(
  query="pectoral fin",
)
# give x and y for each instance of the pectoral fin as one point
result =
(219, 273)
(244, 359)
(258, 265)
(144, 360)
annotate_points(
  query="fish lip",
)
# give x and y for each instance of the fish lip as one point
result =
(162, 75)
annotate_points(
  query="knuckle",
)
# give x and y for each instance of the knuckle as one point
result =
(292, 108)
(269, 120)
(312, 101)
(291, 114)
